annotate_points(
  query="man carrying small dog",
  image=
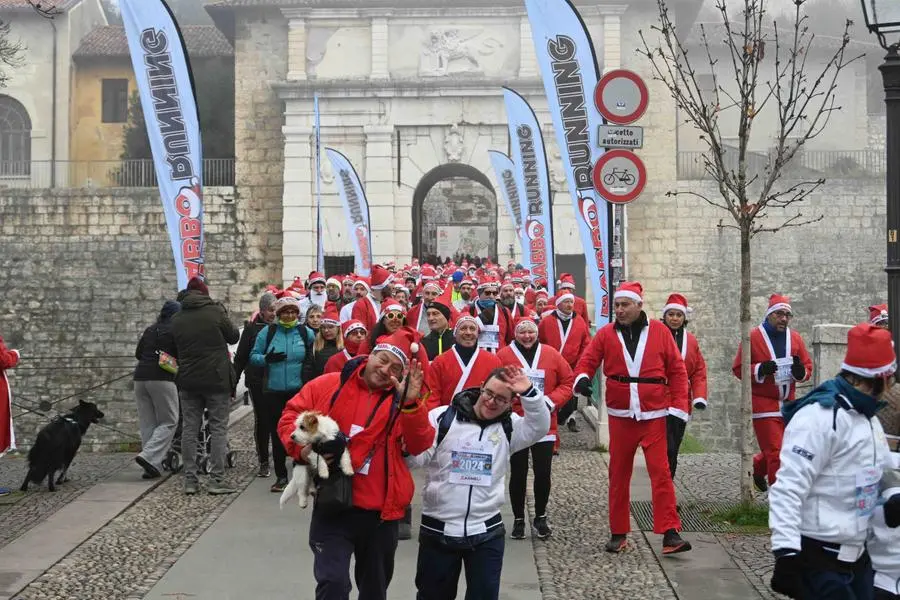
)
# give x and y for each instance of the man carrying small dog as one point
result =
(376, 400)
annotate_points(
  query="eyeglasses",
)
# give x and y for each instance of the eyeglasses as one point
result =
(781, 313)
(495, 398)
(490, 293)
(394, 316)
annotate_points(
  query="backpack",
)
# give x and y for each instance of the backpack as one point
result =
(450, 415)
(270, 335)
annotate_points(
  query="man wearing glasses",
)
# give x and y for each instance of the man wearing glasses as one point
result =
(465, 482)
(496, 323)
(778, 360)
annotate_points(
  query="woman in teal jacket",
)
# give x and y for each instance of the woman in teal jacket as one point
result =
(280, 350)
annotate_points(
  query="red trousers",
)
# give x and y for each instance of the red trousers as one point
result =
(625, 435)
(769, 433)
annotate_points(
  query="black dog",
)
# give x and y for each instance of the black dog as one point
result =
(57, 443)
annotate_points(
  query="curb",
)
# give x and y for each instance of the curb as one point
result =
(541, 562)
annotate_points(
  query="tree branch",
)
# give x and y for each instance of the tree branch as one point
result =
(45, 8)
(795, 221)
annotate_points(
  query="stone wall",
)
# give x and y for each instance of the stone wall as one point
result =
(83, 272)
(832, 270)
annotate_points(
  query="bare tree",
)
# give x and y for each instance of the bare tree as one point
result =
(10, 53)
(45, 8)
(802, 98)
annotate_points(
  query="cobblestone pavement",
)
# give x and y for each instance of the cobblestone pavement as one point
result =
(20, 512)
(125, 558)
(571, 563)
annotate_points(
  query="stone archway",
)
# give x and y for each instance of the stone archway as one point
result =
(454, 212)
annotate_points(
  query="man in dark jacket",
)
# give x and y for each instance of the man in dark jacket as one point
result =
(253, 377)
(205, 380)
(440, 338)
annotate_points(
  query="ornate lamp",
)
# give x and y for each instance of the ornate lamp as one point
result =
(883, 19)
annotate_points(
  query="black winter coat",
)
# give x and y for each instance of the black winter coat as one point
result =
(314, 364)
(202, 333)
(156, 337)
(253, 376)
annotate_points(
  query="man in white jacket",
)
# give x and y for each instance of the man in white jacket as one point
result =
(884, 543)
(827, 487)
(466, 483)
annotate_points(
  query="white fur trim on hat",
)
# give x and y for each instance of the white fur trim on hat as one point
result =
(687, 310)
(881, 318)
(465, 318)
(566, 285)
(333, 280)
(384, 283)
(334, 322)
(362, 283)
(779, 306)
(395, 351)
(432, 284)
(526, 324)
(563, 297)
(627, 294)
(487, 284)
(884, 371)
(354, 327)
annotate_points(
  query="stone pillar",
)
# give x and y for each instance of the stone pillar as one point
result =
(379, 182)
(296, 49)
(527, 58)
(379, 48)
(612, 42)
(299, 218)
(829, 345)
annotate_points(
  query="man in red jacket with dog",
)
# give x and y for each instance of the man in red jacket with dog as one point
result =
(364, 399)
(645, 382)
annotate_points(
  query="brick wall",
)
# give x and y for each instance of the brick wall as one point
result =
(83, 273)
(832, 270)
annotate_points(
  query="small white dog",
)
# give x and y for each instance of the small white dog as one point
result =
(313, 427)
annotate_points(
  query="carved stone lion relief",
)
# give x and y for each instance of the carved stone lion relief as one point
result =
(451, 51)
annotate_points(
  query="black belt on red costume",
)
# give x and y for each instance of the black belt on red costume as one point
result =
(626, 379)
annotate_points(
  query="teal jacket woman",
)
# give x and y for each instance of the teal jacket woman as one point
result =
(280, 350)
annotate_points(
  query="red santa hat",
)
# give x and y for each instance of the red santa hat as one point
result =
(566, 281)
(878, 313)
(296, 284)
(434, 285)
(393, 306)
(778, 302)
(488, 282)
(428, 273)
(870, 352)
(350, 277)
(677, 302)
(330, 317)
(466, 318)
(381, 277)
(402, 344)
(631, 290)
(523, 323)
(315, 277)
(364, 281)
(333, 281)
(562, 297)
(352, 325)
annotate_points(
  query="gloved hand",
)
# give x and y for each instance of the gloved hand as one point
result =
(275, 357)
(787, 574)
(699, 404)
(583, 387)
(798, 371)
(767, 368)
(892, 511)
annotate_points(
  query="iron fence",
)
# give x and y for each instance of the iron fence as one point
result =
(101, 173)
(830, 164)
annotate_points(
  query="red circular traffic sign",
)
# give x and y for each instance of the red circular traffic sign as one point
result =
(619, 176)
(621, 96)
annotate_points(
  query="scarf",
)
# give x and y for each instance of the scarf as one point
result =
(289, 324)
(778, 339)
(563, 316)
(678, 334)
(465, 354)
(826, 394)
(527, 353)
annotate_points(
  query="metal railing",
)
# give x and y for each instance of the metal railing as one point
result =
(101, 173)
(833, 164)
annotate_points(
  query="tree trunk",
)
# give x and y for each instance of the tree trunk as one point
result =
(747, 434)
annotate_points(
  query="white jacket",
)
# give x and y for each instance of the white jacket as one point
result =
(464, 508)
(884, 542)
(825, 455)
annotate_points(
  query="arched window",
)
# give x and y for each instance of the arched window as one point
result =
(15, 138)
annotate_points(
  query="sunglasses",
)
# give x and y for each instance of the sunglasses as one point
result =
(490, 293)
(394, 316)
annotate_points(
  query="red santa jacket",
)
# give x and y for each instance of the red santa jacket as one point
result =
(767, 395)
(570, 344)
(388, 486)
(445, 375)
(367, 311)
(581, 309)
(695, 365)
(502, 320)
(656, 358)
(337, 362)
(558, 378)
(415, 318)
(8, 360)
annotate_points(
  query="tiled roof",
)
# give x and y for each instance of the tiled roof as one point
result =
(201, 41)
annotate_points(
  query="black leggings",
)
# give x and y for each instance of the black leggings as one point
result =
(261, 424)
(274, 406)
(542, 457)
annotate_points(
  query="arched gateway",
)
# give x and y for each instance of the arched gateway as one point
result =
(454, 213)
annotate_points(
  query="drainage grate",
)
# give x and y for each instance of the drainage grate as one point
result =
(695, 517)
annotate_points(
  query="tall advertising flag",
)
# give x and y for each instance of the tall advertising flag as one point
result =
(356, 209)
(533, 177)
(569, 69)
(166, 89)
(320, 247)
(505, 171)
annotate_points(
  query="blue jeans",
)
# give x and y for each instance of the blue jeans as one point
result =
(441, 559)
(834, 585)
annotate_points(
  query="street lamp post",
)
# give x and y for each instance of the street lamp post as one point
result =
(883, 19)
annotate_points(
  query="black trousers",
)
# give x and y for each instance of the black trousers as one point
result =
(261, 433)
(567, 411)
(358, 533)
(542, 458)
(274, 403)
(674, 434)
(881, 594)
(441, 559)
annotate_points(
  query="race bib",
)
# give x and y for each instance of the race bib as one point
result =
(867, 493)
(537, 377)
(489, 338)
(471, 463)
(783, 370)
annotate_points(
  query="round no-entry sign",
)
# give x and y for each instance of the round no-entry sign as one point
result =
(619, 176)
(621, 96)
